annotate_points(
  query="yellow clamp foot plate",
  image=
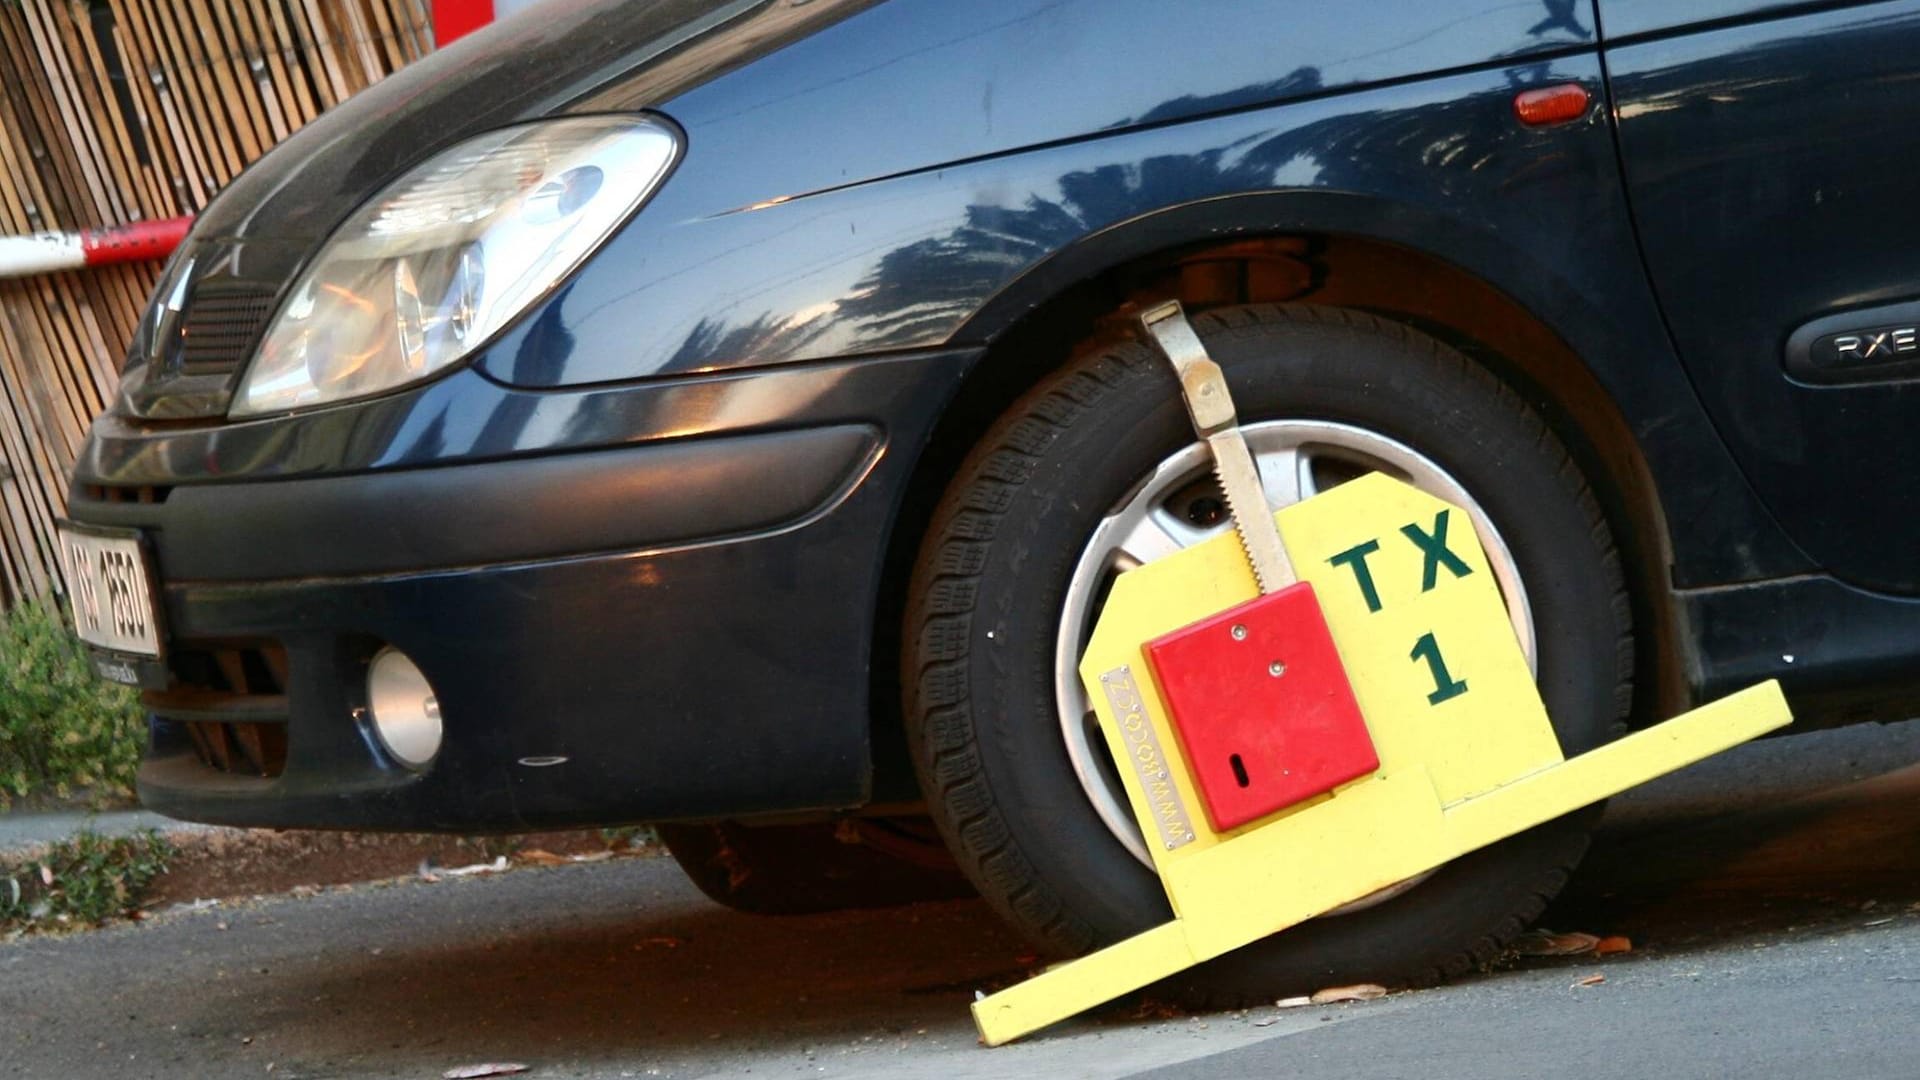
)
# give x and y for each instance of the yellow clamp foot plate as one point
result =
(1467, 755)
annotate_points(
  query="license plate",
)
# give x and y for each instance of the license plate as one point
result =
(111, 588)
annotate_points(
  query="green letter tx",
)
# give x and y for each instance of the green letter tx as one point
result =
(1435, 549)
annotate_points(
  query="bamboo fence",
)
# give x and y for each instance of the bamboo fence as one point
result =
(113, 111)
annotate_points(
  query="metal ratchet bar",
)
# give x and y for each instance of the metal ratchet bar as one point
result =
(1210, 405)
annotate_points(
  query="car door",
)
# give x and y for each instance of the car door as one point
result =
(1773, 166)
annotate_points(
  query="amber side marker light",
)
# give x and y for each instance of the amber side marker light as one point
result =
(1551, 104)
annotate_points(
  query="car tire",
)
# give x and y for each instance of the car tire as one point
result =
(986, 601)
(815, 867)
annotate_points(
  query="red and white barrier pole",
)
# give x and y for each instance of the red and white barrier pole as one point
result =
(457, 18)
(48, 252)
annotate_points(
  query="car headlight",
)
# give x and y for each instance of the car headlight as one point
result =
(442, 258)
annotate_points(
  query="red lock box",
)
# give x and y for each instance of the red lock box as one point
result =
(1262, 706)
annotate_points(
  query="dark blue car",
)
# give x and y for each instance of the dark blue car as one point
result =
(727, 414)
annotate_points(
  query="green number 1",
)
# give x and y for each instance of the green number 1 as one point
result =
(1445, 686)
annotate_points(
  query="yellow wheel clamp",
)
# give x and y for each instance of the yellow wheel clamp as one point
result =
(1328, 703)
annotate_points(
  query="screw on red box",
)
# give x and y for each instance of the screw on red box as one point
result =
(1262, 706)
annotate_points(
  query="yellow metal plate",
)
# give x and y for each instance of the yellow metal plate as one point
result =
(1467, 756)
(1417, 617)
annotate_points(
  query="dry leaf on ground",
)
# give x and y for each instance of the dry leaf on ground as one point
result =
(490, 1068)
(1607, 946)
(1591, 980)
(1293, 1003)
(1357, 992)
(541, 857)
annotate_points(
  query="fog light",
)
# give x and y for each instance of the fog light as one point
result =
(406, 714)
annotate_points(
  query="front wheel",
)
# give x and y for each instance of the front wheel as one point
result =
(1096, 470)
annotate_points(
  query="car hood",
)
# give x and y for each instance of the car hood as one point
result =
(928, 82)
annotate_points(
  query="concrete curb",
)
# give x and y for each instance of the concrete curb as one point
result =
(22, 831)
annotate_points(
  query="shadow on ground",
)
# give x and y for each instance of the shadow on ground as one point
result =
(1769, 869)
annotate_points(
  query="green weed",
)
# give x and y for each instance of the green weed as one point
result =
(62, 728)
(82, 880)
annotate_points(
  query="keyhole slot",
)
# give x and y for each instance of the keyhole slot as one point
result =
(1239, 770)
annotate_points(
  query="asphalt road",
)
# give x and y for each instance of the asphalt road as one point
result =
(1771, 897)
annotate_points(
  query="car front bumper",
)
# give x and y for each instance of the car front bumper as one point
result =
(655, 612)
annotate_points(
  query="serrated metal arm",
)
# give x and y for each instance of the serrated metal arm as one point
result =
(1210, 406)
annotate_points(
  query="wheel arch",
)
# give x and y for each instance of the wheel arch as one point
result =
(1312, 247)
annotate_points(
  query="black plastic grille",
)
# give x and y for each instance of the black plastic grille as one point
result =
(222, 322)
(232, 701)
